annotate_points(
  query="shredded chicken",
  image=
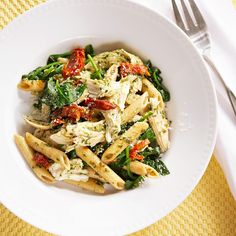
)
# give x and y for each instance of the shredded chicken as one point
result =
(76, 171)
(83, 134)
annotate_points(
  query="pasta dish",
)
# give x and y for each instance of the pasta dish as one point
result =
(96, 120)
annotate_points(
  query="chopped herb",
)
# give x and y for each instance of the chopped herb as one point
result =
(157, 80)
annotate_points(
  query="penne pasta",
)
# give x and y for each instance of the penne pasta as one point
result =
(51, 152)
(91, 185)
(150, 172)
(123, 141)
(153, 92)
(93, 174)
(31, 85)
(37, 125)
(161, 133)
(137, 168)
(142, 169)
(134, 108)
(44, 175)
(90, 122)
(28, 153)
(102, 169)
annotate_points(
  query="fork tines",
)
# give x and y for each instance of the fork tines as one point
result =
(200, 22)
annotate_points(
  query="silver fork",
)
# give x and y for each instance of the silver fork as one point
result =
(200, 37)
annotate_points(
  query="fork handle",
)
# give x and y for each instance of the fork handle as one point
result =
(231, 95)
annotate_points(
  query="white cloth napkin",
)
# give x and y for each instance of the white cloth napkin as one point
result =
(221, 20)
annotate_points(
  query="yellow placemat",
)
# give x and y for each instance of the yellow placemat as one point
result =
(234, 3)
(209, 210)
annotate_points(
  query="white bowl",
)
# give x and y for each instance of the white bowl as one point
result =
(58, 26)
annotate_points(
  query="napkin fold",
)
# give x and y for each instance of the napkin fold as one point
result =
(220, 17)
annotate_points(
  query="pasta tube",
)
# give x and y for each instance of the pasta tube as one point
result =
(138, 169)
(36, 124)
(134, 108)
(91, 185)
(124, 141)
(136, 166)
(28, 153)
(102, 169)
(93, 174)
(142, 169)
(160, 127)
(31, 85)
(153, 92)
(52, 153)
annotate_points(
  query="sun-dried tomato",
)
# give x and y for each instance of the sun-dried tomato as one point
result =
(86, 113)
(57, 121)
(75, 64)
(72, 112)
(134, 69)
(137, 148)
(42, 160)
(99, 104)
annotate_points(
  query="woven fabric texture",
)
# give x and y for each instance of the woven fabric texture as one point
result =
(234, 3)
(209, 210)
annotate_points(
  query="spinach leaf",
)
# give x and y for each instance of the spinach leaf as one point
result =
(118, 165)
(121, 161)
(125, 127)
(158, 165)
(54, 57)
(99, 148)
(89, 50)
(98, 74)
(151, 151)
(131, 184)
(44, 72)
(131, 180)
(148, 134)
(156, 79)
(80, 90)
(72, 154)
(58, 95)
(152, 158)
